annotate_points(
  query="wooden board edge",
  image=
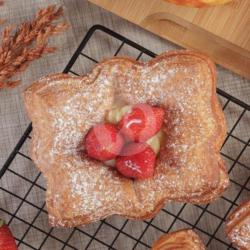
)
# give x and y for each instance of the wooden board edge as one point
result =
(189, 36)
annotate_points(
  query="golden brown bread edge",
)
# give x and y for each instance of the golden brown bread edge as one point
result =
(238, 226)
(199, 3)
(217, 140)
(185, 239)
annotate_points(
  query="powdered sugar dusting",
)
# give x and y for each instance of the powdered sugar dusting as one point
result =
(78, 104)
(132, 165)
(242, 235)
(69, 118)
(238, 226)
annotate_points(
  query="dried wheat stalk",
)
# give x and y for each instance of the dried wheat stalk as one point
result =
(1, 20)
(28, 43)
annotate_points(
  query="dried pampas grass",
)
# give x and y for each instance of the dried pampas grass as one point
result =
(1, 20)
(28, 42)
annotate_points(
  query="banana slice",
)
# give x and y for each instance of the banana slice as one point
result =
(155, 141)
(116, 114)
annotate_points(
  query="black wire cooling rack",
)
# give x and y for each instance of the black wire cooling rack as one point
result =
(28, 216)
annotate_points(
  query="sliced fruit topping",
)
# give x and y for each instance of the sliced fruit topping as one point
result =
(7, 242)
(137, 161)
(143, 122)
(156, 141)
(129, 141)
(116, 114)
(103, 142)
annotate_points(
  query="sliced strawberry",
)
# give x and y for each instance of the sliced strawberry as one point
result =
(7, 242)
(137, 161)
(103, 142)
(143, 122)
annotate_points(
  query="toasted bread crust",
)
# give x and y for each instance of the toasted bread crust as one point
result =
(199, 3)
(189, 169)
(238, 226)
(185, 239)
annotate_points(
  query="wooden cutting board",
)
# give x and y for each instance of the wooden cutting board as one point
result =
(222, 32)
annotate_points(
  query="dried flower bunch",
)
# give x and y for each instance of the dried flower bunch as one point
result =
(1, 21)
(27, 43)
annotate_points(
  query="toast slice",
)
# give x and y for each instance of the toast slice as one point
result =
(189, 168)
(238, 226)
(185, 239)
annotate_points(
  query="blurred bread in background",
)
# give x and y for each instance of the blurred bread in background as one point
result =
(199, 3)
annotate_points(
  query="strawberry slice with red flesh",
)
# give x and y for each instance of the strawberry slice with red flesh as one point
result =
(7, 242)
(137, 161)
(143, 122)
(103, 142)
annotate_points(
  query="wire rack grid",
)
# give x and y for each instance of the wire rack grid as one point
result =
(25, 211)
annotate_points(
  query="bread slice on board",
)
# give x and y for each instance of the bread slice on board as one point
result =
(189, 168)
